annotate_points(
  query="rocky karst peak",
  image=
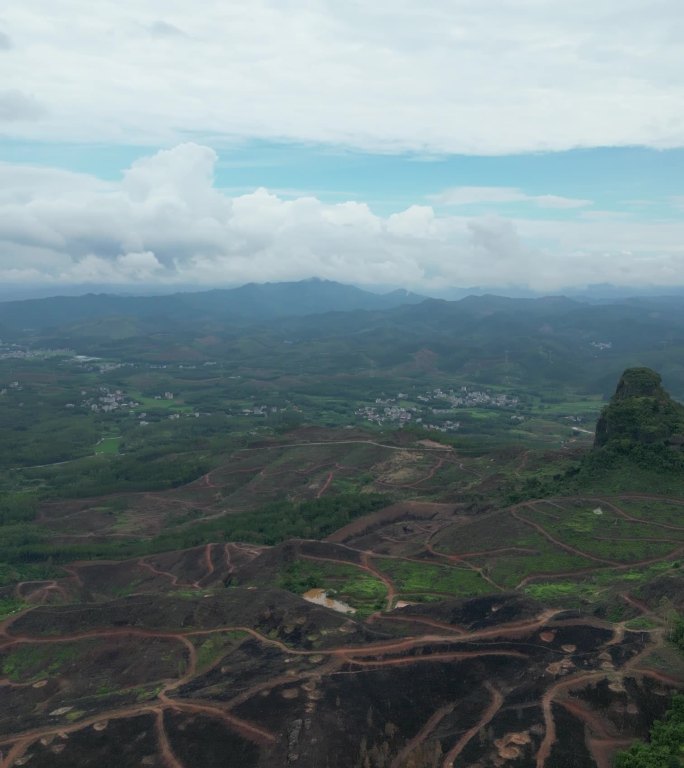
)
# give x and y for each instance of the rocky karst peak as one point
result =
(640, 412)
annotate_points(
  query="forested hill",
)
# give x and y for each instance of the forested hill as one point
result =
(641, 412)
(325, 328)
(250, 303)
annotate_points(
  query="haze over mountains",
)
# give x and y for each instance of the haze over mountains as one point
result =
(322, 325)
(251, 302)
(594, 293)
(262, 302)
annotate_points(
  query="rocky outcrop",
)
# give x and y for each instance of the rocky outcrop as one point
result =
(640, 412)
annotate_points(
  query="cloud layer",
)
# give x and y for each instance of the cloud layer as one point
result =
(455, 196)
(458, 76)
(166, 222)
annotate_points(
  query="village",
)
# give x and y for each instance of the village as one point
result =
(17, 352)
(433, 403)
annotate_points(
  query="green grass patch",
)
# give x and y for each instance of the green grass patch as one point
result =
(560, 591)
(642, 622)
(655, 512)
(344, 582)
(108, 445)
(217, 645)
(602, 533)
(31, 662)
(600, 588)
(510, 570)
(412, 577)
(10, 605)
(147, 403)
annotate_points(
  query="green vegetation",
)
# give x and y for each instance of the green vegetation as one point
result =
(416, 578)
(108, 445)
(640, 412)
(559, 591)
(17, 507)
(642, 622)
(217, 645)
(302, 575)
(10, 605)
(29, 662)
(677, 634)
(348, 583)
(642, 424)
(665, 748)
(604, 533)
(269, 524)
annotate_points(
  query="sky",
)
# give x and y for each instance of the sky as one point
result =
(431, 145)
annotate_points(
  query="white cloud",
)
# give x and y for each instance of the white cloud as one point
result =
(555, 201)
(16, 106)
(456, 196)
(161, 28)
(442, 76)
(165, 222)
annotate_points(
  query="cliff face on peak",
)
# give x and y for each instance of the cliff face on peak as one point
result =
(640, 412)
(640, 382)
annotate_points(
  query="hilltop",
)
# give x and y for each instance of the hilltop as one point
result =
(640, 413)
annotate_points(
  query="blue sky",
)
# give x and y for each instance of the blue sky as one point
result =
(424, 146)
(637, 180)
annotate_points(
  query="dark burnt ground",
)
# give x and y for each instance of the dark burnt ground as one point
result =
(267, 567)
(511, 738)
(330, 551)
(376, 711)
(476, 613)
(194, 658)
(197, 568)
(87, 675)
(570, 749)
(402, 513)
(123, 743)
(274, 613)
(202, 741)
(633, 709)
(249, 665)
(290, 683)
(104, 581)
(670, 587)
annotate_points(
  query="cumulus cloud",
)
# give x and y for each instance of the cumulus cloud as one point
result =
(16, 106)
(166, 222)
(459, 76)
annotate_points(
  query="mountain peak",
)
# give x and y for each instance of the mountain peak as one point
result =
(640, 412)
(639, 382)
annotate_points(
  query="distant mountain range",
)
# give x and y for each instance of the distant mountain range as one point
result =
(250, 303)
(313, 323)
(596, 293)
(262, 303)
